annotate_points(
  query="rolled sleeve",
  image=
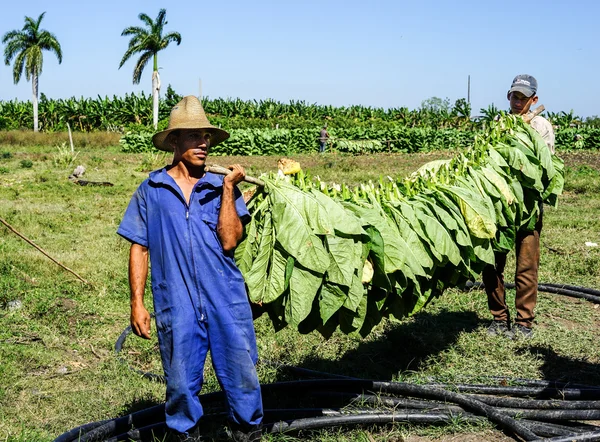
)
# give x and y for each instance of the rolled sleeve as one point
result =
(134, 226)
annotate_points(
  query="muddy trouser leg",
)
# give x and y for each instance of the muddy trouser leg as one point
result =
(526, 276)
(234, 355)
(183, 347)
(493, 279)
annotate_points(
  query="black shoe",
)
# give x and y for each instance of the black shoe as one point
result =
(521, 332)
(497, 328)
(192, 436)
(238, 433)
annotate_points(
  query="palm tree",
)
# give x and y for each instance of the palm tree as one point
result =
(26, 47)
(148, 41)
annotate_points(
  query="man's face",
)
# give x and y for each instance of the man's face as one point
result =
(191, 146)
(519, 103)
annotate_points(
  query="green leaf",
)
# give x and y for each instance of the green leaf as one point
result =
(355, 294)
(304, 286)
(255, 278)
(275, 279)
(244, 252)
(331, 299)
(343, 221)
(344, 258)
(295, 234)
(478, 214)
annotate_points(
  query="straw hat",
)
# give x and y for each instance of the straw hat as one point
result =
(188, 114)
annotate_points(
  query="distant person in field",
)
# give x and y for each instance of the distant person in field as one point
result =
(521, 95)
(188, 222)
(323, 139)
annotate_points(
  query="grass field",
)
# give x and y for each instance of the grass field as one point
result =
(57, 365)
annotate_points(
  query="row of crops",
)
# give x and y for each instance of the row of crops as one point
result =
(271, 127)
(357, 140)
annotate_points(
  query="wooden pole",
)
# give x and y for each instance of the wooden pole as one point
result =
(71, 139)
(224, 171)
(28, 241)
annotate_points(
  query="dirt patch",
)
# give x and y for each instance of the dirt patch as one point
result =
(489, 436)
(585, 158)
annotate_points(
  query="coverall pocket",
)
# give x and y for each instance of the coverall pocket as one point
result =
(211, 221)
(241, 312)
(164, 320)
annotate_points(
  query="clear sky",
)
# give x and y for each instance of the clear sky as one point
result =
(382, 53)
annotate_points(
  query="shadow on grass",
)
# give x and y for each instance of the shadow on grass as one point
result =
(139, 405)
(402, 347)
(558, 367)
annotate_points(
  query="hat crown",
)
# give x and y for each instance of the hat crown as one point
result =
(188, 114)
(524, 83)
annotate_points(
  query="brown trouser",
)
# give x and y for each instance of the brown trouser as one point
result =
(526, 279)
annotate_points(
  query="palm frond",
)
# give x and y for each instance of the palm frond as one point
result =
(131, 51)
(12, 35)
(18, 67)
(140, 65)
(134, 30)
(146, 19)
(49, 42)
(39, 20)
(12, 48)
(160, 22)
(172, 37)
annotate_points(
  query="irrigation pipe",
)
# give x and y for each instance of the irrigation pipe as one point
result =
(46, 254)
(431, 403)
(559, 289)
(583, 437)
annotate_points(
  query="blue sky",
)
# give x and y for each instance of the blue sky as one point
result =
(380, 53)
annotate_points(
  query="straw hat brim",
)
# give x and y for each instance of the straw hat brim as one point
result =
(217, 136)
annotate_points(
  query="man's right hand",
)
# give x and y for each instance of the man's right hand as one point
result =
(140, 322)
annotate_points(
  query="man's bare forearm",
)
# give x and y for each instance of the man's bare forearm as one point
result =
(229, 227)
(138, 272)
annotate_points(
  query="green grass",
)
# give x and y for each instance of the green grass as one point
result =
(57, 364)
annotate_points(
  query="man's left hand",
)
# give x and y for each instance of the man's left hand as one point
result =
(236, 176)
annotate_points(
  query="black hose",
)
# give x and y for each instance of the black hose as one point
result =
(583, 437)
(559, 289)
(76, 433)
(384, 401)
(150, 433)
(119, 346)
(123, 424)
(551, 415)
(538, 392)
(140, 425)
(539, 404)
(574, 288)
(315, 423)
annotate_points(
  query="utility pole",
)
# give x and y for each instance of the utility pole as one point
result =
(469, 89)
(200, 89)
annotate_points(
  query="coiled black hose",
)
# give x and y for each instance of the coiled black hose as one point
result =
(148, 424)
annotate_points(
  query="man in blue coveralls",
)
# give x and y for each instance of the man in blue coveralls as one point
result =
(189, 221)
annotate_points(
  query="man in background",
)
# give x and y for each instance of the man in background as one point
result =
(521, 95)
(323, 139)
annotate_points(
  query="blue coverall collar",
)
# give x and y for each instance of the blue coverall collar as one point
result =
(161, 176)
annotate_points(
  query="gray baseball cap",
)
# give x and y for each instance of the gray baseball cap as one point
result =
(526, 84)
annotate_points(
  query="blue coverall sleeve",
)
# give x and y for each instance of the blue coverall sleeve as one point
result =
(240, 207)
(134, 226)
